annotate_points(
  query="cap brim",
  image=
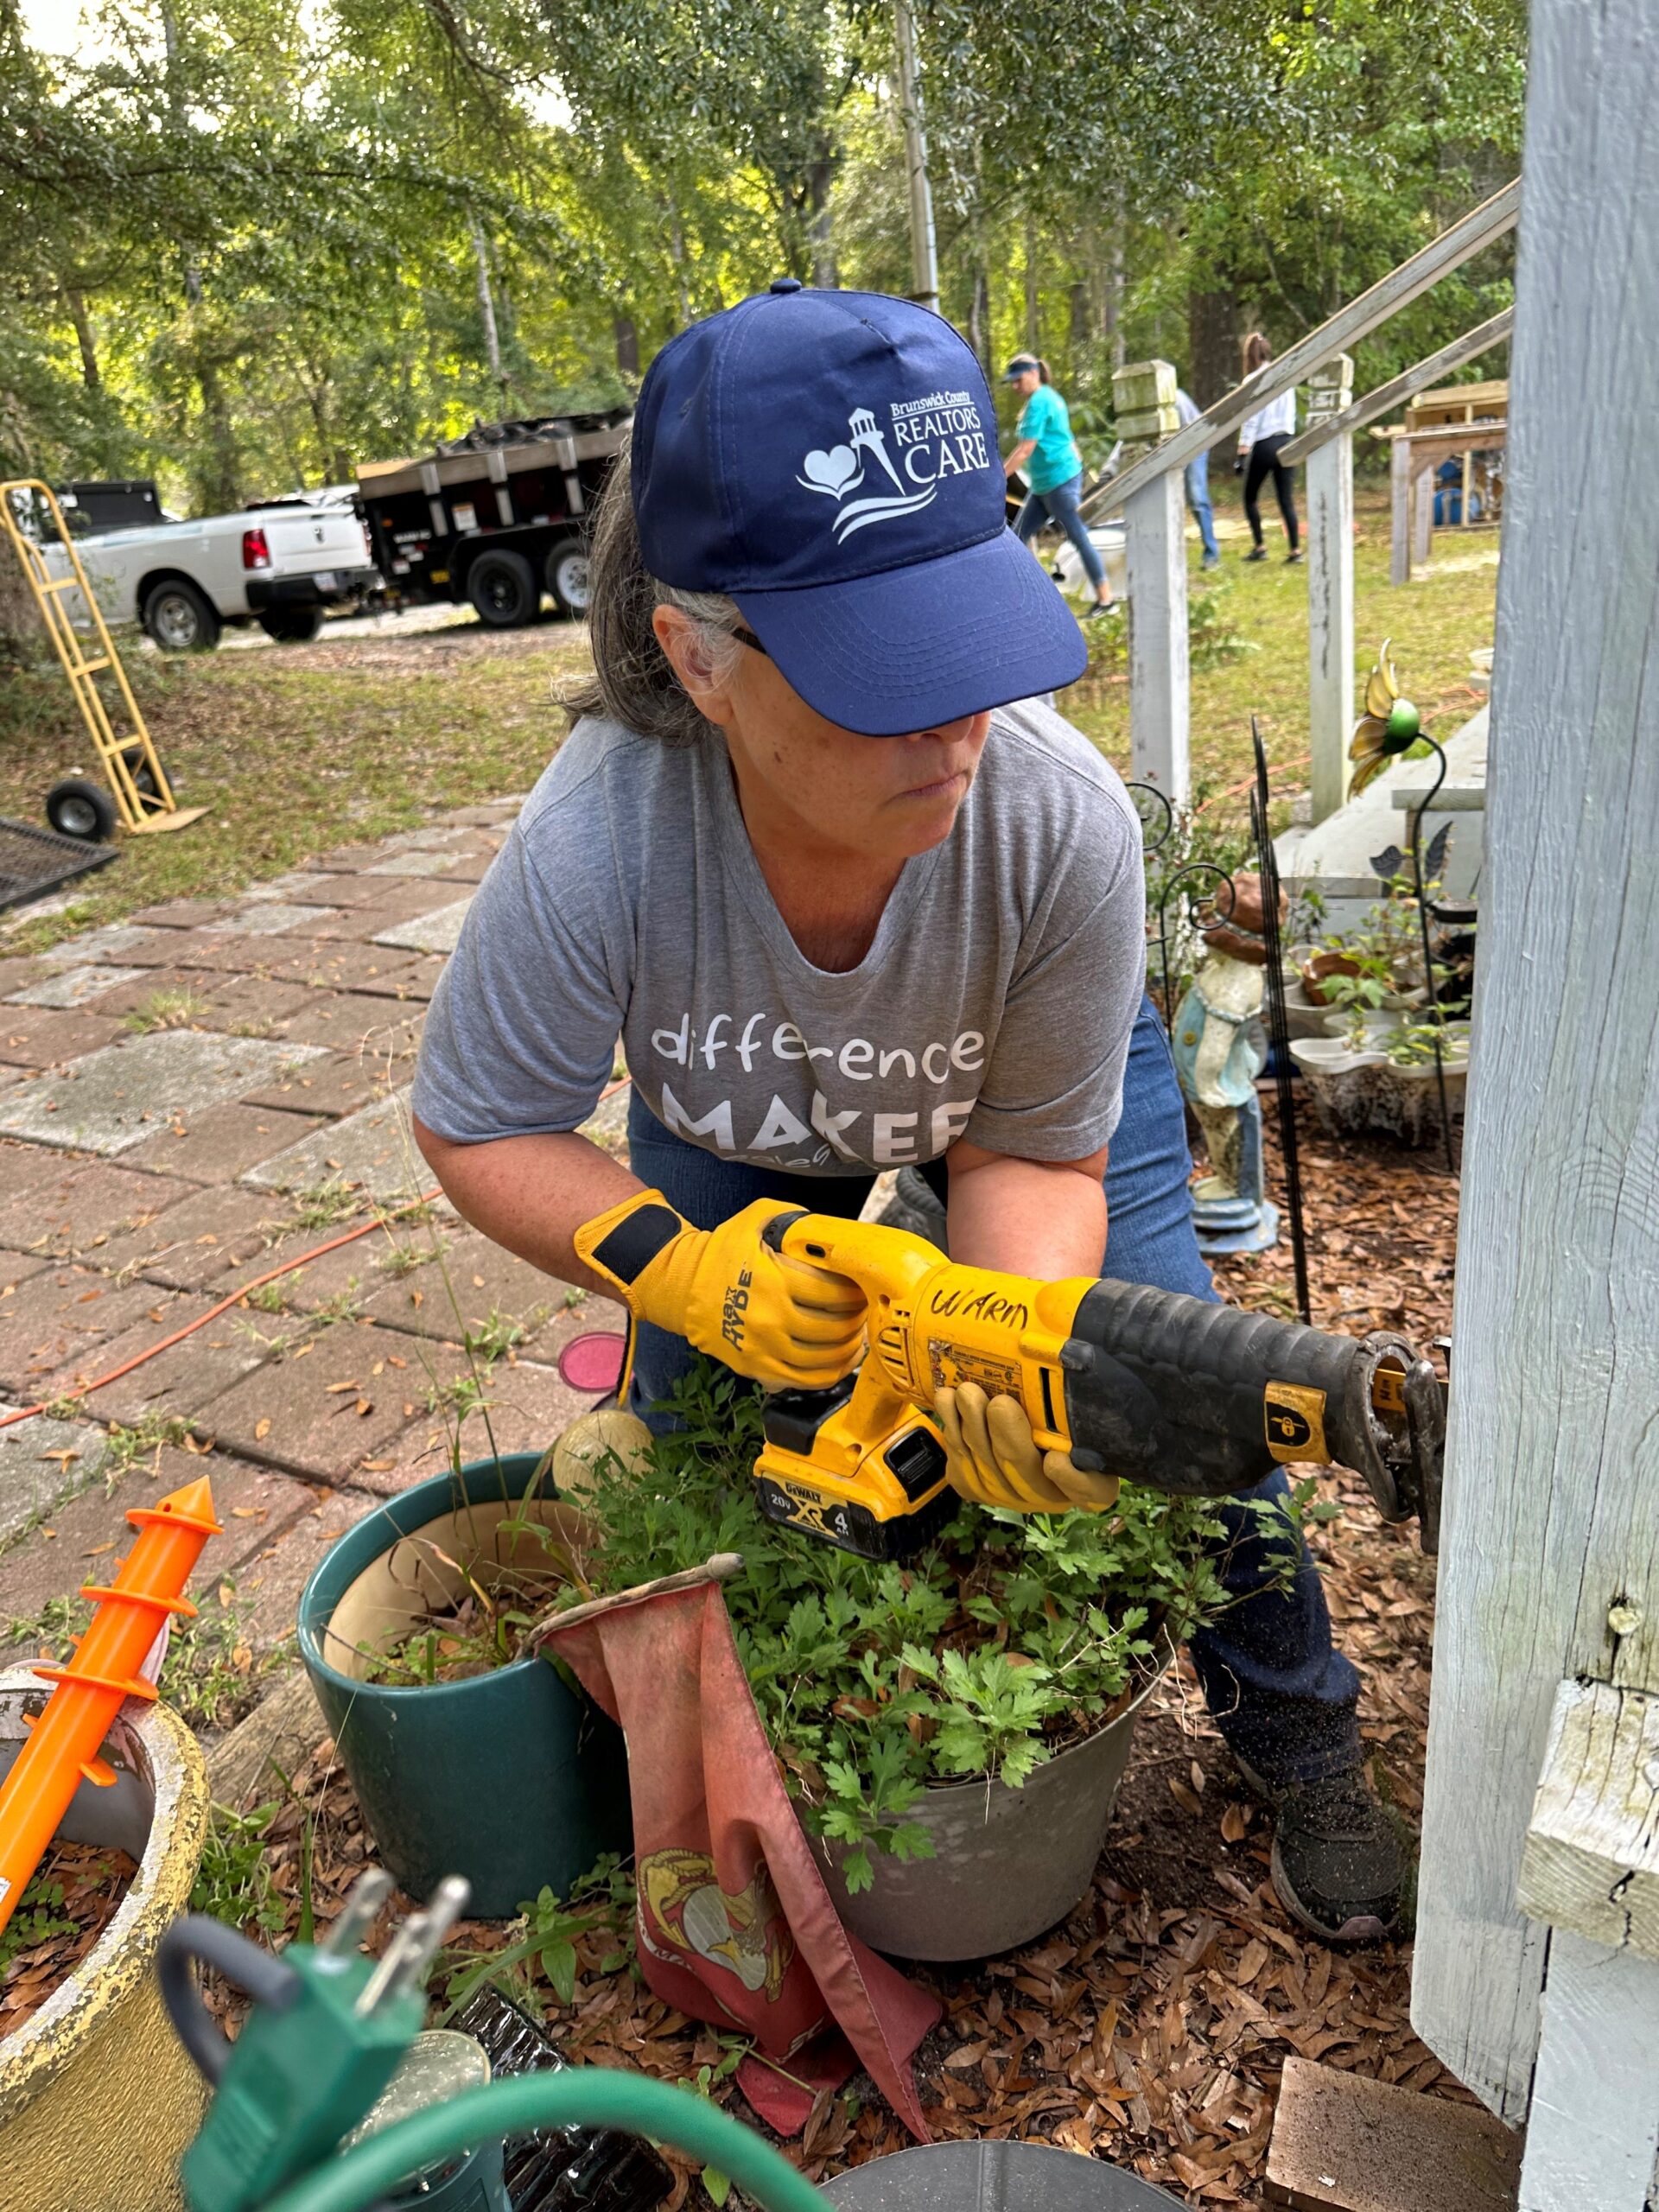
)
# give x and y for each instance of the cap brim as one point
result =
(913, 647)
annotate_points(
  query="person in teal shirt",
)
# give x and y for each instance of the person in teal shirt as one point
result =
(1047, 451)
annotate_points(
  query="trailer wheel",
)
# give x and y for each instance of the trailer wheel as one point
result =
(502, 587)
(567, 580)
(291, 625)
(180, 618)
(76, 808)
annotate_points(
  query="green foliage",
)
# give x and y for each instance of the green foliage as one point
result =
(233, 1881)
(324, 1205)
(165, 1010)
(39, 1918)
(1012, 1635)
(601, 1902)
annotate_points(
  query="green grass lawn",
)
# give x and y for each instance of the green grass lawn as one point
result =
(300, 749)
(1435, 621)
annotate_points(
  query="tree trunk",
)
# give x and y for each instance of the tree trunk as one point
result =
(820, 232)
(627, 335)
(979, 321)
(1034, 306)
(75, 301)
(1212, 345)
(486, 308)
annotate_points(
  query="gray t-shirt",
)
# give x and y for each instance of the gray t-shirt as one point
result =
(995, 1002)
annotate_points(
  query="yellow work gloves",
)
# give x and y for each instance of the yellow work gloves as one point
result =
(781, 1322)
(992, 1457)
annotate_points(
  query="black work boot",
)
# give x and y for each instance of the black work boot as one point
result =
(1341, 1861)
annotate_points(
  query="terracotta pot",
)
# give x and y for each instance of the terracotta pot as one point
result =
(1008, 1863)
(1322, 965)
(99, 2100)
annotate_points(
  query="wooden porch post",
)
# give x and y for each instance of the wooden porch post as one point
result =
(1331, 618)
(1549, 1570)
(1155, 526)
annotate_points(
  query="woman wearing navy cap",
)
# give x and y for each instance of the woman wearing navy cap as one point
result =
(1047, 453)
(850, 899)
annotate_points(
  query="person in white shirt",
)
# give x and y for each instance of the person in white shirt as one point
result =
(1263, 438)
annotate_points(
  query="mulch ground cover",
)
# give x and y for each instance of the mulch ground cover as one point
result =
(1150, 2028)
(71, 1898)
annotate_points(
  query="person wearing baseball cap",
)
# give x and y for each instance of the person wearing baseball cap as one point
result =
(850, 895)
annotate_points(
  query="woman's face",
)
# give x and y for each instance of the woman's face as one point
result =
(884, 797)
(1026, 382)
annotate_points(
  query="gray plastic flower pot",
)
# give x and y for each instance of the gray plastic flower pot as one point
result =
(1007, 1864)
(992, 2178)
(510, 1779)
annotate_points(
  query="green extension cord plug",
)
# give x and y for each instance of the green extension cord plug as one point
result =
(328, 2029)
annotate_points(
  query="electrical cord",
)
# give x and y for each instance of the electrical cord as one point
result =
(586, 2096)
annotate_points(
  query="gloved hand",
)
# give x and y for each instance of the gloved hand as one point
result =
(781, 1322)
(991, 1457)
(1238, 464)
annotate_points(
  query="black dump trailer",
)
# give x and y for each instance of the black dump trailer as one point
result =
(498, 517)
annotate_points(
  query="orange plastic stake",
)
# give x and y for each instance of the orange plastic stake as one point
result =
(64, 1744)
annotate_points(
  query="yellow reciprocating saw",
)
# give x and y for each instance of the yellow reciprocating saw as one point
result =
(1171, 1392)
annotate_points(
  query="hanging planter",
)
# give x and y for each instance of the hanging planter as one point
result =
(506, 1776)
(1007, 1864)
(99, 2100)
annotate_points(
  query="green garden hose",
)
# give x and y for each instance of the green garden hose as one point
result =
(585, 2096)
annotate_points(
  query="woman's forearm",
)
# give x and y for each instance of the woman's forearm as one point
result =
(1019, 456)
(1027, 1216)
(531, 1194)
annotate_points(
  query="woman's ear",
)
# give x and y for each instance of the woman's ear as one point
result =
(704, 677)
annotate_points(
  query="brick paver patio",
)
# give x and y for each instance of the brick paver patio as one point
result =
(188, 1100)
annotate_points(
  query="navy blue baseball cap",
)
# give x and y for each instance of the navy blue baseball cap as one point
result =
(829, 460)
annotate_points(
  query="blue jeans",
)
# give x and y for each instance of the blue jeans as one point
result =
(1059, 503)
(1283, 1697)
(1197, 480)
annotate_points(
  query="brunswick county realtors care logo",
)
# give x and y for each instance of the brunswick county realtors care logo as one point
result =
(934, 438)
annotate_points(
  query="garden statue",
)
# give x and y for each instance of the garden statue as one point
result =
(1219, 1052)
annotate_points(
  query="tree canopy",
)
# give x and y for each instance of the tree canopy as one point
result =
(246, 244)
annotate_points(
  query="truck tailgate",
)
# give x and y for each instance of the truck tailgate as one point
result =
(303, 540)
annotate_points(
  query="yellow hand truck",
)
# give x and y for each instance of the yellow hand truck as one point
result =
(143, 801)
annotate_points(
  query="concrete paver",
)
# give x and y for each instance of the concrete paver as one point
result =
(337, 1083)
(1342, 2143)
(115, 940)
(290, 1007)
(337, 1398)
(373, 1149)
(90, 1533)
(263, 918)
(114, 1098)
(204, 1233)
(41, 1038)
(87, 1206)
(177, 1383)
(71, 987)
(217, 1145)
(439, 932)
(53, 1326)
(42, 1461)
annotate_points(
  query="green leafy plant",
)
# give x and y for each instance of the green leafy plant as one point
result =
(494, 1337)
(233, 1880)
(39, 1916)
(1010, 1638)
(601, 1902)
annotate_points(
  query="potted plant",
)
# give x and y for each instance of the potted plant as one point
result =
(99, 2100)
(1403, 1087)
(953, 1730)
(464, 1757)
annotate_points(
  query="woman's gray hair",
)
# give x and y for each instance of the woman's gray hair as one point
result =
(633, 681)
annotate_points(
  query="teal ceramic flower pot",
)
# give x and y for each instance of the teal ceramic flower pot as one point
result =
(510, 1778)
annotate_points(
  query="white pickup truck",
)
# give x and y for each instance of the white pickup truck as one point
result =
(279, 564)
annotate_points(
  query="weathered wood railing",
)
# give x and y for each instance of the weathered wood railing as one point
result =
(1149, 493)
